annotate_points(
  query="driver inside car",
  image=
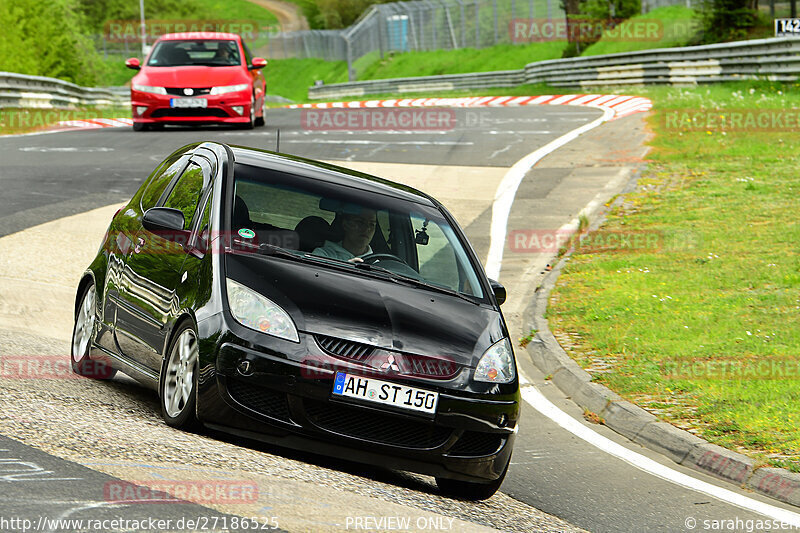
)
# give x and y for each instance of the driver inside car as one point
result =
(357, 231)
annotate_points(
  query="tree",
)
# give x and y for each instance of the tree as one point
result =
(728, 20)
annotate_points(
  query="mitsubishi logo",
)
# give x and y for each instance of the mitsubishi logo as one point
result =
(390, 364)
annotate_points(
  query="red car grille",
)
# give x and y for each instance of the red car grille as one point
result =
(179, 91)
(190, 112)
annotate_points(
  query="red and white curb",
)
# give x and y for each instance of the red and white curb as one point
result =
(93, 123)
(619, 105)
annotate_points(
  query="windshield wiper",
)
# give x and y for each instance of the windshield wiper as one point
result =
(416, 282)
(273, 250)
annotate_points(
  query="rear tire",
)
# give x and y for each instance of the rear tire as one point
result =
(468, 490)
(82, 334)
(178, 384)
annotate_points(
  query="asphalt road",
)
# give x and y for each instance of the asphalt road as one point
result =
(45, 177)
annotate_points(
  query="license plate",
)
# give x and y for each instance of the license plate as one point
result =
(188, 102)
(385, 393)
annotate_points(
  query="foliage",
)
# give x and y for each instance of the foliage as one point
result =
(680, 26)
(728, 20)
(46, 39)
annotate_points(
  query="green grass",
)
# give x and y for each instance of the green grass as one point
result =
(291, 78)
(237, 10)
(14, 121)
(113, 72)
(674, 26)
(438, 62)
(723, 287)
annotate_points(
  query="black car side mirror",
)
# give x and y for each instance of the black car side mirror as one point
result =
(164, 220)
(499, 291)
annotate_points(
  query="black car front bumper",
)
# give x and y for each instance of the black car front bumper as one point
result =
(286, 399)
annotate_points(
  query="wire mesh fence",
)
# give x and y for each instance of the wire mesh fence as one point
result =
(414, 26)
(418, 25)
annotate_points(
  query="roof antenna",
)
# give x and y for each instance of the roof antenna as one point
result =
(278, 141)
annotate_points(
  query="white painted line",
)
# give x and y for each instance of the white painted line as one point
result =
(504, 197)
(537, 400)
(359, 141)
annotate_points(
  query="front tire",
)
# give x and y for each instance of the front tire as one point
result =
(138, 126)
(178, 390)
(249, 125)
(82, 333)
(468, 490)
(260, 121)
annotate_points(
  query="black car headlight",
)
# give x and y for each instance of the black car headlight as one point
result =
(255, 311)
(497, 364)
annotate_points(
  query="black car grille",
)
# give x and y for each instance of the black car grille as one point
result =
(473, 443)
(188, 112)
(344, 348)
(178, 91)
(411, 364)
(265, 401)
(375, 427)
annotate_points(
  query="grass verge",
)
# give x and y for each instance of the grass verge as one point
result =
(14, 121)
(673, 26)
(699, 323)
(464, 60)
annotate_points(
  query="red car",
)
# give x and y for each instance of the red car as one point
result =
(198, 78)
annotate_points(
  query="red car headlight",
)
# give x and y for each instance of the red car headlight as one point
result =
(225, 89)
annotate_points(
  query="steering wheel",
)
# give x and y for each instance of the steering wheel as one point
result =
(374, 258)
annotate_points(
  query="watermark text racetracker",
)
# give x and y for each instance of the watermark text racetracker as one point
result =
(149, 524)
(611, 30)
(744, 120)
(50, 367)
(552, 240)
(726, 369)
(171, 491)
(120, 31)
(379, 119)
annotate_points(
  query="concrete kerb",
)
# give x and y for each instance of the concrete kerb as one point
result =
(634, 422)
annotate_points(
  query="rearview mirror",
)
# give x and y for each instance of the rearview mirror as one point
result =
(164, 220)
(499, 291)
(258, 62)
(133, 63)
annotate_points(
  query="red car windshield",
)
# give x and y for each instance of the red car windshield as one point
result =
(214, 53)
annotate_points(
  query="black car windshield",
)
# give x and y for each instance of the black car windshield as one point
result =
(349, 227)
(212, 53)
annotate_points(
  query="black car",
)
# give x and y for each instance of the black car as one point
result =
(309, 306)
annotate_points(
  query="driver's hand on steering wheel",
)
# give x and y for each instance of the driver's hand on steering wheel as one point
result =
(355, 260)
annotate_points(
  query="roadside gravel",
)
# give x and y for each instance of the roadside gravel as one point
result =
(115, 427)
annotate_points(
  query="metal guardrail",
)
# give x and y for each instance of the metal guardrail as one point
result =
(775, 59)
(20, 90)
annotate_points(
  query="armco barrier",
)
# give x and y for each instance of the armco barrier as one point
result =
(20, 90)
(776, 59)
